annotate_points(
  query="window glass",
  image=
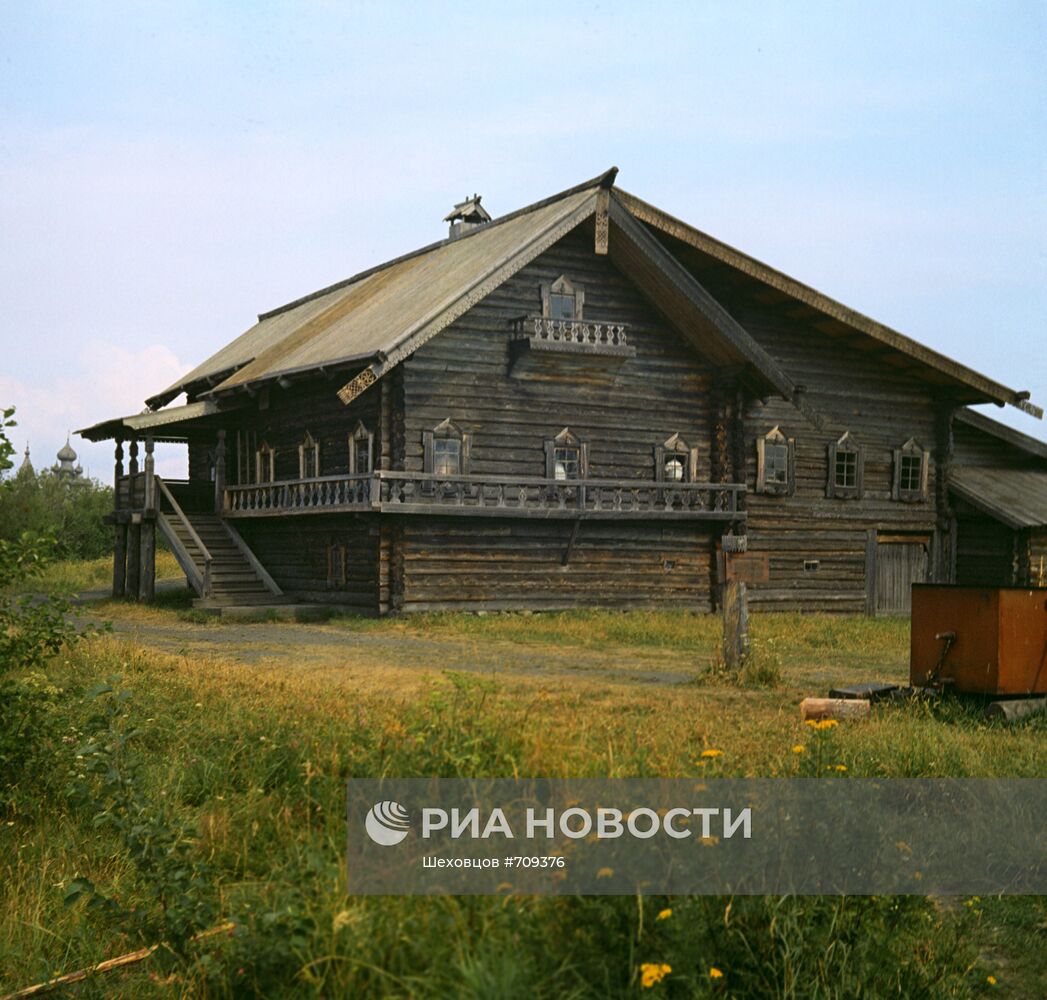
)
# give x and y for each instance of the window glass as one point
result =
(675, 468)
(362, 457)
(567, 462)
(561, 306)
(846, 473)
(309, 461)
(776, 463)
(447, 456)
(910, 478)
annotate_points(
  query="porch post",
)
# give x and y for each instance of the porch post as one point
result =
(150, 483)
(119, 527)
(219, 473)
(134, 554)
(147, 566)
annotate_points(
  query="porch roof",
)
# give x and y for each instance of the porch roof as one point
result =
(165, 425)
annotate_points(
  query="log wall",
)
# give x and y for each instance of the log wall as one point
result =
(295, 552)
(882, 407)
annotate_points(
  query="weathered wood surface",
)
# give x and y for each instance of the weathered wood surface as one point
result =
(834, 708)
(735, 624)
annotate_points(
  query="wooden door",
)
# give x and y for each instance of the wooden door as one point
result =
(901, 561)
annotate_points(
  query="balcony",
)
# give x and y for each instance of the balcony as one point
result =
(541, 344)
(487, 496)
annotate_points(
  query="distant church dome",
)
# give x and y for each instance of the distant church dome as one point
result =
(64, 467)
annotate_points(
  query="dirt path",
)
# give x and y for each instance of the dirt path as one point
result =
(306, 647)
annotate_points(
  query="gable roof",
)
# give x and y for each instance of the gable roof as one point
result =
(381, 316)
(373, 320)
(991, 390)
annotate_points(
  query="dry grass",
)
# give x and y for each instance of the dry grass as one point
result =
(76, 576)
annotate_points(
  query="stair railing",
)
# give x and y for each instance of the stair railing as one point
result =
(205, 579)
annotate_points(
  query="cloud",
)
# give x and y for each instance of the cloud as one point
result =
(104, 380)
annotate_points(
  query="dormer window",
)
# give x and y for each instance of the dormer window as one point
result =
(446, 450)
(775, 462)
(566, 457)
(846, 468)
(562, 299)
(308, 457)
(361, 445)
(675, 462)
(911, 465)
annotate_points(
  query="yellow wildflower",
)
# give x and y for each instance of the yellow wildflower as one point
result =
(991, 980)
(712, 753)
(841, 767)
(652, 973)
(799, 748)
(822, 724)
(715, 973)
(665, 914)
(605, 873)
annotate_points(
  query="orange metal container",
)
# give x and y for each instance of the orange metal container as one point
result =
(1001, 638)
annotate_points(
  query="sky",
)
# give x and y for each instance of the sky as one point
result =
(170, 170)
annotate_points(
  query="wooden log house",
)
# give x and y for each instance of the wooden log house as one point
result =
(571, 405)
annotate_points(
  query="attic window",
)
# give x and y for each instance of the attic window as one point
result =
(911, 465)
(361, 443)
(775, 462)
(566, 457)
(846, 468)
(562, 299)
(446, 450)
(308, 457)
(674, 462)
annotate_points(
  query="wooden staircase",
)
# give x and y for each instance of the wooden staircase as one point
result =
(217, 562)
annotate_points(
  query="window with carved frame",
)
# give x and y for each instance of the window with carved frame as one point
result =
(846, 468)
(566, 457)
(562, 299)
(911, 470)
(775, 463)
(308, 457)
(446, 450)
(265, 464)
(361, 450)
(675, 462)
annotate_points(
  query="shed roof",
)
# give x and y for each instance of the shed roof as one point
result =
(1017, 497)
(1034, 446)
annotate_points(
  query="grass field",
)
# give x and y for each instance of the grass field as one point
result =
(74, 576)
(242, 736)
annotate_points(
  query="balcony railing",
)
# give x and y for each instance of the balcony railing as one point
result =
(584, 336)
(323, 493)
(488, 496)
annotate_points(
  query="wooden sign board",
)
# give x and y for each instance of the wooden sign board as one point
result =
(748, 567)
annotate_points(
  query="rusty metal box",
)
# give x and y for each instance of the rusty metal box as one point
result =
(1001, 638)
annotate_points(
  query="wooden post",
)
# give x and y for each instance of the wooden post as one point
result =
(118, 469)
(119, 558)
(147, 572)
(132, 475)
(119, 529)
(735, 625)
(134, 556)
(150, 482)
(219, 473)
